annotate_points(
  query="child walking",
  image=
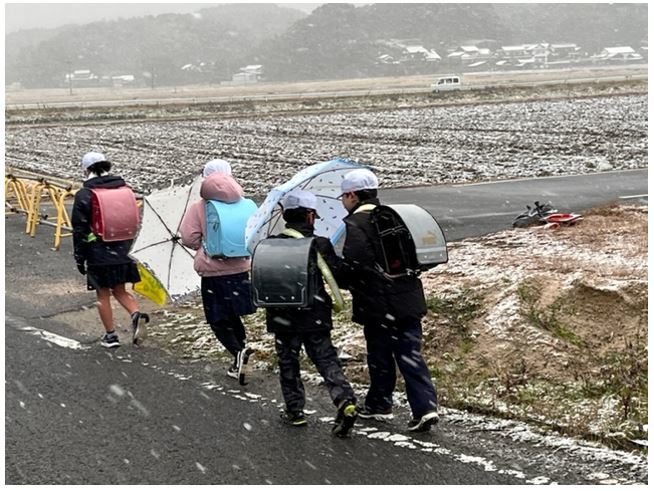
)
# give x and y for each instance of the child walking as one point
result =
(225, 282)
(311, 326)
(106, 265)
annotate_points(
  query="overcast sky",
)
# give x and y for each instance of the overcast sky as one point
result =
(33, 15)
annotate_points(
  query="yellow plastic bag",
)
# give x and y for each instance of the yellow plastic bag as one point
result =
(150, 287)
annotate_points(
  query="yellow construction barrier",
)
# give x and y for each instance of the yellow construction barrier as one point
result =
(15, 190)
(57, 196)
(24, 195)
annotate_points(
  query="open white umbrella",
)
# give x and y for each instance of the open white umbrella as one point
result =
(323, 180)
(158, 245)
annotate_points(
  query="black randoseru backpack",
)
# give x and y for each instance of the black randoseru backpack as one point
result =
(409, 239)
(396, 253)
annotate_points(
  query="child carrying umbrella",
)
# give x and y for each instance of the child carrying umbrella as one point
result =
(310, 326)
(105, 262)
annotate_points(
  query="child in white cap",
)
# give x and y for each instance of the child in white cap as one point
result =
(311, 326)
(107, 265)
(225, 282)
(390, 310)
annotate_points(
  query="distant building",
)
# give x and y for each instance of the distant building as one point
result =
(386, 59)
(515, 52)
(565, 50)
(617, 54)
(470, 56)
(253, 69)
(123, 80)
(249, 74)
(419, 52)
(82, 78)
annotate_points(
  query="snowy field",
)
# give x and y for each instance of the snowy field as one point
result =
(406, 147)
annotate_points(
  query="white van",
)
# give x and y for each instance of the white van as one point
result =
(448, 82)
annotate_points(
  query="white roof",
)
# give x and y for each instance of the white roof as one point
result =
(416, 49)
(526, 61)
(520, 47)
(563, 45)
(617, 50)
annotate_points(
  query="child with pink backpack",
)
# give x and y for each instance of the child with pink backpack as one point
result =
(105, 220)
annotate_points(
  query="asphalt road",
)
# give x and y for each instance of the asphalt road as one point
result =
(76, 413)
(470, 210)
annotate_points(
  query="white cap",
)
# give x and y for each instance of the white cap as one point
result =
(91, 158)
(299, 198)
(217, 165)
(358, 180)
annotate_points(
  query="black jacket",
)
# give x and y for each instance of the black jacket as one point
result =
(95, 252)
(318, 317)
(376, 298)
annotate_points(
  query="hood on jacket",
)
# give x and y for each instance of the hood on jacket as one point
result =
(221, 187)
(106, 181)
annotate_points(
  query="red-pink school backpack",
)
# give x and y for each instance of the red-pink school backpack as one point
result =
(114, 213)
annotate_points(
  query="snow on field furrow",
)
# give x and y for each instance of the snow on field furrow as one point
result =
(405, 146)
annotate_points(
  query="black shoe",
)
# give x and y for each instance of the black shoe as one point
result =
(110, 340)
(424, 423)
(294, 418)
(379, 415)
(242, 364)
(139, 331)
(345, 418)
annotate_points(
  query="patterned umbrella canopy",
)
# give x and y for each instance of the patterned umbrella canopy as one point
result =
(323, 180)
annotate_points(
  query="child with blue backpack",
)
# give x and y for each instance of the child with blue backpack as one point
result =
(225, 281)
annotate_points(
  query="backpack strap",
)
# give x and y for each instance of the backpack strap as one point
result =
(366, 207)
(332, 287)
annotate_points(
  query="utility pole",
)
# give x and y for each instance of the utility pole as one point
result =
(70, 78)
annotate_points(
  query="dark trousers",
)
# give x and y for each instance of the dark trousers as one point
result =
(322, 353)
(398, 343)
(231, 333)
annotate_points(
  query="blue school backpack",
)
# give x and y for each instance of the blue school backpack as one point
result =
(226, 227)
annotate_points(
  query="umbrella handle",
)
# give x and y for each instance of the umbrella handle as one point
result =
(338, 304)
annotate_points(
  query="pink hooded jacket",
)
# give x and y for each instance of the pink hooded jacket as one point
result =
(193, 229)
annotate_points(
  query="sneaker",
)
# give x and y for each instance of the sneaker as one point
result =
(425, 423)
(138, 327)
(345, 418)
(384, 415)
(232, 372)
(294, 418)
(242, 363)
(110, 340)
